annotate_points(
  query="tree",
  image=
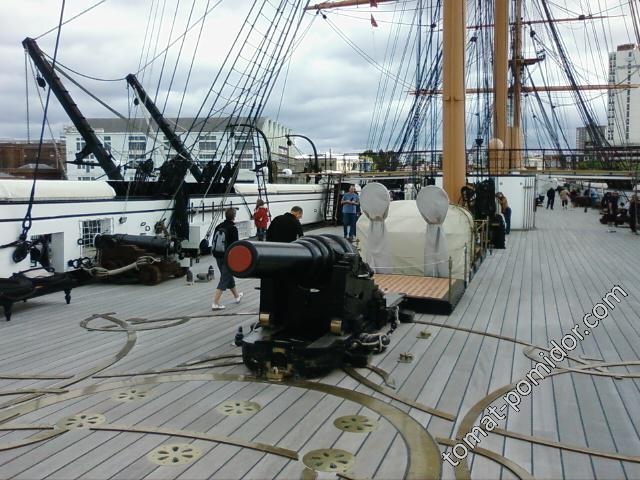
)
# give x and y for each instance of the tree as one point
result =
(383, 161)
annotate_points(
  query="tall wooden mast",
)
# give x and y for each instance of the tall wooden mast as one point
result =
(500, 69)
(515, 143)
(453, 145)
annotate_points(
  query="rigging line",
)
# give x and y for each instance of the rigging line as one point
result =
(164, 60)
(407, 52)
(26, 86)
(184, 92)
(224, 63)
(397, 141)
(363, 54)
(253, 66)
(146, 48)
(266, 95)
(197, 21)
(289, 60)
(86, 10)
(26, 222)
(55, 148)
(85, 90)
(146, 33)
(276, 72)
(155, 50)
(205, 120)
(147, 64)
(590, 123)
(384, 80)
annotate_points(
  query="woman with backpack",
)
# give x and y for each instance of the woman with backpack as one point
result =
(261, 219)
(224, 236)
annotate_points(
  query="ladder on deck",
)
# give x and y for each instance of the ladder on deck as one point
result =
(331, 197)
(261, 181)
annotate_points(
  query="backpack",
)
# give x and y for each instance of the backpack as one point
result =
(219, 242)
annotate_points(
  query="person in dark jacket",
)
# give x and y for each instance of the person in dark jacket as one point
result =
(286, 227)
(612, 211)
(633, 214)
(226, 277)
(551, 198)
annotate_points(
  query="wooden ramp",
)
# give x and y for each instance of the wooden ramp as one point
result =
(423, 294)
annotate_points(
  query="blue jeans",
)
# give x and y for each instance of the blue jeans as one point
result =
(507, 220)
(349, 223)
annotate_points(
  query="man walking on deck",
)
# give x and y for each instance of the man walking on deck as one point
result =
(564, 197)
(224, 235)
(551, 198)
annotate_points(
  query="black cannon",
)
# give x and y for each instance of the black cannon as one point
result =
(319, 306)
(154, 258)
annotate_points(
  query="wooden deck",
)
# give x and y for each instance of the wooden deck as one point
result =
(531, 293)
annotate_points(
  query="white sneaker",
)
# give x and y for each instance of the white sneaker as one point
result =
(217, 307)
(239, 297)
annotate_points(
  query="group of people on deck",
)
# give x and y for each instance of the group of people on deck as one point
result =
(283, 228)
(573, 196)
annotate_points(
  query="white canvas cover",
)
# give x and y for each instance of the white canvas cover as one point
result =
(433, 205)
(20, 190)
(374, 202)
(405, 230)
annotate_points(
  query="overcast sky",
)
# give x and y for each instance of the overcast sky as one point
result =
(329, 93)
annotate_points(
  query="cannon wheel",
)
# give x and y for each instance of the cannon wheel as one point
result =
(149, 275)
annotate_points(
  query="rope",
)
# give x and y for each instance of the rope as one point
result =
(103, 272)
(27, 222)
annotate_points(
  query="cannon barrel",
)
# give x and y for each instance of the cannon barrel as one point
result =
(309, 256)
(158, 245)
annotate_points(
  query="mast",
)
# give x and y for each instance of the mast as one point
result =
(162, 123)
(453, 145)
(500, 69)
(515, 143)
(92, 143)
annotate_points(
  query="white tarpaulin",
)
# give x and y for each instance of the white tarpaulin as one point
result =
(374, 203)
(433, 205)
(405, 231)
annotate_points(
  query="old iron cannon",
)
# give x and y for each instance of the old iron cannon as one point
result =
(319, 306)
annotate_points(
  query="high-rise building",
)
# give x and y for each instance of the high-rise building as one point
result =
(134, 141)
(623, 108)
(584, 138)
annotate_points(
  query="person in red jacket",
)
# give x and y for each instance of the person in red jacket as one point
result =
(261, 219)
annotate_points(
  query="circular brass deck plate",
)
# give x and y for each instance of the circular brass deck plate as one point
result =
(81, 421)
(174, 454)
(238, 407)
(130, 395)
(355, 423)
(329, 460)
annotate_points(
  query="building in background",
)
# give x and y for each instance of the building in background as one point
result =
(584, 140)
(623, 108)
(18, 159)
(134, 141)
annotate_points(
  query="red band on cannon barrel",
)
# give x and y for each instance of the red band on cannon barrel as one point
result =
(239, 259)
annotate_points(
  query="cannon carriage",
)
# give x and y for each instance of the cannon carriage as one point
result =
(319, 306)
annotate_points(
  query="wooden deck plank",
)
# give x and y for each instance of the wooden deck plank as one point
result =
(520, 292)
